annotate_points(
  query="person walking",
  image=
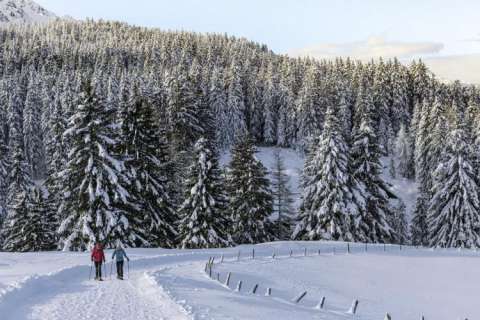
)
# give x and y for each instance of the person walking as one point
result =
(119, 254)
(98, 257)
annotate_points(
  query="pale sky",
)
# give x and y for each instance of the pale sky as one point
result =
(446, 33)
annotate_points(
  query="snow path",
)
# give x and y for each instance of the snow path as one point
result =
(68, 294)
(137, 298)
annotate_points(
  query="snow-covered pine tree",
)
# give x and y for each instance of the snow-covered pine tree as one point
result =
(56, 158)
(308, 109)
(33, 133)
(326, 211)
(184, 127)
(236, 117)
(41, 228)
(144, 150)
(271, 106)
(282, 198)
(218, 103)
(95, 205)
(453, 219)
(4, 169)
(16, 237)
(372, 221)
(418, 226)
(398, 221)
(402, 152)
(392, 168)
(250, 203)
(203, 216)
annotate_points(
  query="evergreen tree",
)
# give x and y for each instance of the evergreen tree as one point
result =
(328, 196)
(33, 133)
(399, 222)
(418, 227)
(454, 219)
(95, 205)
(250, 202)
(372, 222)
(144, 149)
(282, 198)
(236, 117)
(18, 221)
(203, 222)
(402, 152)
(4, 170)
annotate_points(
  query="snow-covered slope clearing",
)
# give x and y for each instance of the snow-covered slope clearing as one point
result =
(405, 189)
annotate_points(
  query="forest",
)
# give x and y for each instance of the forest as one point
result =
(111, 132)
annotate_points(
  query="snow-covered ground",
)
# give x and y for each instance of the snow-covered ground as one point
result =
(172, 284)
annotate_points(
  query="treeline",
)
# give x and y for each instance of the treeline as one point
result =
(108, 132)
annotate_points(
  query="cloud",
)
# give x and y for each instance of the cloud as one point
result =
(373, 47)
(462, 67)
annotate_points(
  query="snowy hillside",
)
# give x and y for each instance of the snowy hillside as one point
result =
(172, 284)
(21, 11)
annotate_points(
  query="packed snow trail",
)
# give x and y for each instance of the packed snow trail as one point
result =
(136, 298)
(68, 294)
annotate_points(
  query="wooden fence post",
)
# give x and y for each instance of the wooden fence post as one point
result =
(319, 252)
(268, 293)
(238, 256)
(291, 253)
(254, 289)
(273, 254)
(387, 317)
(239, 286)
(253, 253)
(227, 281)
(348, 247)
(300, 297)
(305, 252)
(321, 303)
(353, 308)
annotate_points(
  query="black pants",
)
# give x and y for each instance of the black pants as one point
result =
(120, 269)
(98, 270)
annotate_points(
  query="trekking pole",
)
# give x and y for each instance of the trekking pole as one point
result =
(90, 274)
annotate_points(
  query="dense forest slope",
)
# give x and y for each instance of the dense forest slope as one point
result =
(119, 125)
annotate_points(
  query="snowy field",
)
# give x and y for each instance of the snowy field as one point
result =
(172, 284)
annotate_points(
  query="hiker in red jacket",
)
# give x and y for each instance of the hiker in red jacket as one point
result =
(98, 257)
